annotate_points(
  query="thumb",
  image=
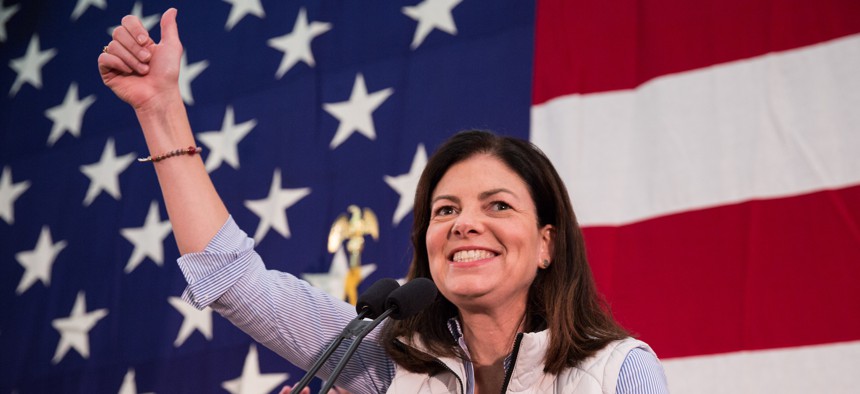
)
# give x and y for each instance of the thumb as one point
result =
(169, 30)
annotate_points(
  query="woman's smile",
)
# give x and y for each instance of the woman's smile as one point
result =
(471, 258)
(468, 256)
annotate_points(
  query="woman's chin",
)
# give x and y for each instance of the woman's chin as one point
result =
(467, 291)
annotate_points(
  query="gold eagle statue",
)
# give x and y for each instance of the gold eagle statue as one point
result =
(352, 229)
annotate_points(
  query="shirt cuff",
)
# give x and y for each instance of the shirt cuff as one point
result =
(214, 270)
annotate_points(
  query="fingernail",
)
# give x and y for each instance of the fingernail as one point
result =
(144, 54)
(141, 39)
(144, 68)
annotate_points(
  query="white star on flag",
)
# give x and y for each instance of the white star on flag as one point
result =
(192, 319)
(29, 67)
(148, 240)
(432, 14)
(148, 21)
(104, 175)
(296, 45)
(252, 381)
(187, 73)
(334, 280)
(83, 5)
(68, 115)
(129, 385)
(357, 113)
(406, 184)
(75, 329)
(38, 262)
(5, 14)
(223, 144)
(272, 210)
(9, 192)
(240, 8)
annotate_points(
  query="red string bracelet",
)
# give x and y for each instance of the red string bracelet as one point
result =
(191, 150)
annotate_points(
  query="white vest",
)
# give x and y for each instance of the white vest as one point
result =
(596, 374)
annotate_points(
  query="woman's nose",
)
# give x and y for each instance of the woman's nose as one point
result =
(466, 224)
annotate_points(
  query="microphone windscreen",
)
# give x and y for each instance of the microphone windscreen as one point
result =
(373, 299)
(411, 298)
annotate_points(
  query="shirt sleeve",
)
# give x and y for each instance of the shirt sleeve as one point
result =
(282, 312)
(641, 373)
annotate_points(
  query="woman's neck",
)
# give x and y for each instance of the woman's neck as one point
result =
(490, 338)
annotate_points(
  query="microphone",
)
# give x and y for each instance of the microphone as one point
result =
(370, 304)
(372, 301)
(403, 302)
(411, 298)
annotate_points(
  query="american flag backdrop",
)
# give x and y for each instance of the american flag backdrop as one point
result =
(712, 150)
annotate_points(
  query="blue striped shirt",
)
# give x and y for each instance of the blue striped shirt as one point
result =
(298, 321)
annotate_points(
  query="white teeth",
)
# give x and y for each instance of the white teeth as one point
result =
(471, 255)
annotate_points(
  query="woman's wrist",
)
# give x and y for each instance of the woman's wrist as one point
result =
(165, 123)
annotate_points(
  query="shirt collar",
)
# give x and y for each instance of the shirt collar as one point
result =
(457, 332)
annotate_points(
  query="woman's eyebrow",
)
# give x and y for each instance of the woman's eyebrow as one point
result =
(482, 196)
(445, 197)
(489, 193)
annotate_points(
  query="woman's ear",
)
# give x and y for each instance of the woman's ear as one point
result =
(547, 235)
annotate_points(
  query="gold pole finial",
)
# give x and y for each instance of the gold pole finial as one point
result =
(352, 230)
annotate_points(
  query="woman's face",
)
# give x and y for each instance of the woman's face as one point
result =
(483, 240)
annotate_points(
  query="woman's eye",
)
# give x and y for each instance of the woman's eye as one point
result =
(500, 206)
(443, 211)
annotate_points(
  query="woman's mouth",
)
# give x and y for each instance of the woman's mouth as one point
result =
(465, 256)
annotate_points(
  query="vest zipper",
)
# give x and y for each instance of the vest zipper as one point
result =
(514, 352)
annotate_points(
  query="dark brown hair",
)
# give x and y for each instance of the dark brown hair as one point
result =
(562, 299)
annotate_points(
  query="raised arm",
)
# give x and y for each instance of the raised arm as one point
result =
(145, 75)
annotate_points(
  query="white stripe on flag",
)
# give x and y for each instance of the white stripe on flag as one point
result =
(813, 369)
(778, 125)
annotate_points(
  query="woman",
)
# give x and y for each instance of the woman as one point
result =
(493, 228)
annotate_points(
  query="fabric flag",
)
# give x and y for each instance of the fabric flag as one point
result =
(711, 151)
(708, 147)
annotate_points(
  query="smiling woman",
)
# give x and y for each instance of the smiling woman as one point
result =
(495, 230)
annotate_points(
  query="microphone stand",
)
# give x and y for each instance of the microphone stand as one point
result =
(369, 304)
(355, 327)
(402, 302)
(367, 328)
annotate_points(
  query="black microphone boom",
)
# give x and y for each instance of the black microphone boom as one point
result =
(405, 301)
(370, 304)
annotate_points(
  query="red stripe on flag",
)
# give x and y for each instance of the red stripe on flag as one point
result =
(755, 275)
(593, 46)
